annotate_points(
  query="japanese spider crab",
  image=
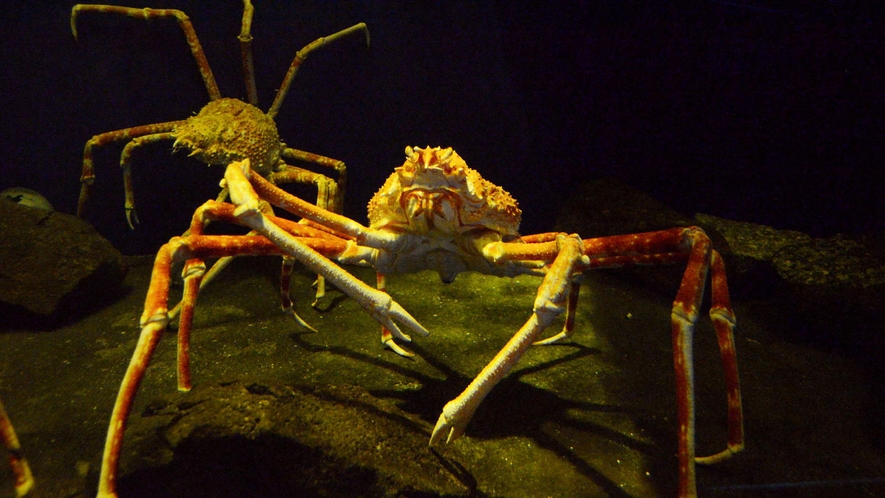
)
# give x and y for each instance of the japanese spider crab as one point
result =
(434, 212)
(225, 129)
(21, 471)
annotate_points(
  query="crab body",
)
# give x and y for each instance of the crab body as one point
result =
(227, 130)
(442, 214)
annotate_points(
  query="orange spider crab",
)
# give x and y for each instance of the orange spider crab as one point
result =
(434, 212)
(225, 129)
(21, 471)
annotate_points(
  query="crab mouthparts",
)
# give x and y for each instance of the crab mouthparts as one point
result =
(429, 209)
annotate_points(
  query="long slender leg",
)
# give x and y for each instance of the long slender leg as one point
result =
(684, 317)
(198, 223)
(24, 480)
(285, 297)
(553, 292)
(377, 303)
(224, 212)
(126, 165)
(153, 323)
(386, 335)
(245, 38)
(330, 193)
(568, 327)
(676, 245)
(183, 21)
(193, 274)
(87, 177)
(334, 200)
(302, 54)
(724, 322)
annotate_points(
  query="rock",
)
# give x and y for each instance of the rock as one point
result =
(55, 266)
(832, 290)
(752, 248)
(836, 288)
(609, 207)
(271, 439)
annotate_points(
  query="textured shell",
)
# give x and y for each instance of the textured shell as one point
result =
(435, 189)
(227, 130)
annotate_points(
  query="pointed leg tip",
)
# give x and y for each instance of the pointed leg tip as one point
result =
(291, 312)
(396, 348)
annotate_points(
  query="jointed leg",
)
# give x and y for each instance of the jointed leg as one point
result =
(126, 165)
(377, 303)
(387, 338)
(153, 323)
(684, 317)
(24, 480)
(653, 248)
(183, 21)
(571, 308)
(553, 293)
(245, 38)
(87, 177)
(330, 193)
(724, 322)
(302, 54)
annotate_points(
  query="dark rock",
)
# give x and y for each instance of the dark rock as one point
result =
(608, 206)
(833, 289)
(269, 439)
(837, 288)
(750, 260)
(55, 266)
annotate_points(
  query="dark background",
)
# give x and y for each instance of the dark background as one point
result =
(754, 110)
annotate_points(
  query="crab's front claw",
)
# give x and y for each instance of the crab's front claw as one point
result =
(452, 422)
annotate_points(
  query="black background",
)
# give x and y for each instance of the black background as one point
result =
(754, 110)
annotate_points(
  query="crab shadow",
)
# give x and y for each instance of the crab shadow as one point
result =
(516, 408)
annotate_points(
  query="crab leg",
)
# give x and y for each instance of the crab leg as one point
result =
(554, 290)
(87, 177)
(245, 38)
(183, 21)
(723, 322)
(330, 193)
(378, 304)
(302, 54)
(340, 184)
(333, 222)
(684, 317)
(126, 165)
(667, 246)
(24, 480)
(155, 317)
